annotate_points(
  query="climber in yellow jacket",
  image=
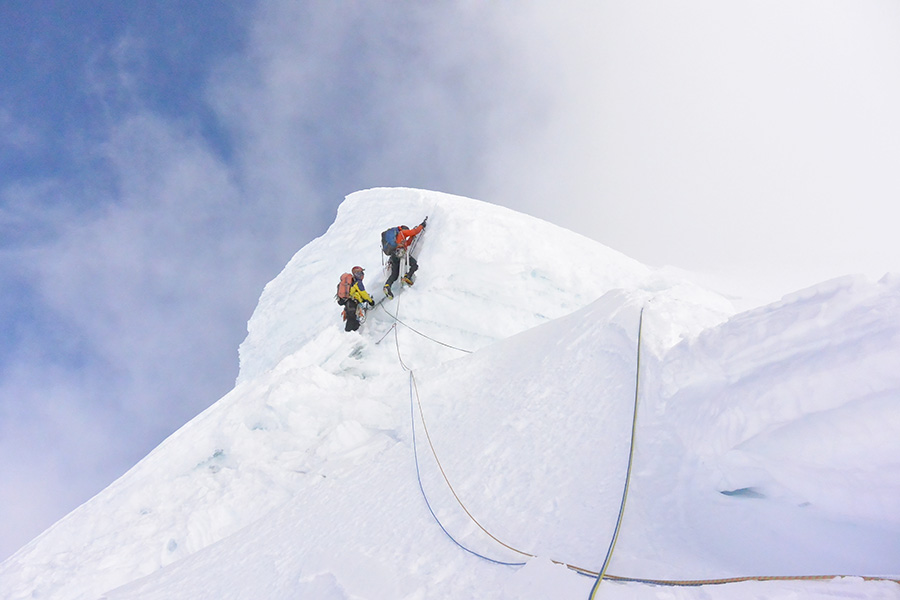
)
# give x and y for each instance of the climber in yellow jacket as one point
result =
(356, 296)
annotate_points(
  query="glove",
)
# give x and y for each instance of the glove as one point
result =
(370, 303)
(425, 222)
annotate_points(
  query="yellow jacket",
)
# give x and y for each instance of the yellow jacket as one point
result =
(359, 294)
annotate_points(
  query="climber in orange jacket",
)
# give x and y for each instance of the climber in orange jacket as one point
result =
(405, 236)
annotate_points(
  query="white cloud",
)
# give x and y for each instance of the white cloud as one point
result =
(362, 95)
(755, 138)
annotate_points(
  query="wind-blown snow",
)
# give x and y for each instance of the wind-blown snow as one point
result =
(768, 442)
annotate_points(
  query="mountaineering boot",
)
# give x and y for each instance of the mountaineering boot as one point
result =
(387, 291)
(407, 279)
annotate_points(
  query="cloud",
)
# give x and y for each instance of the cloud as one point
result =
(54, 450)
(137, 310)
(362, 95)
(752, 139)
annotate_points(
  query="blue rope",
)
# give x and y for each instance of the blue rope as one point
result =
(412, 414)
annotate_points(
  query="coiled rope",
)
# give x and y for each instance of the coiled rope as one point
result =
(601, 574)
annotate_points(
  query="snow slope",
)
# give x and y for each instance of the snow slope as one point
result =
(767, 442)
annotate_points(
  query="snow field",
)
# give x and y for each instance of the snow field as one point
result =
(301, 482)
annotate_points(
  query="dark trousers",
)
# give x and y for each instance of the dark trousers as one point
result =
(395, 269)
(351, 323)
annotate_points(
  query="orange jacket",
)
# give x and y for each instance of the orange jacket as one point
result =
(405, 236)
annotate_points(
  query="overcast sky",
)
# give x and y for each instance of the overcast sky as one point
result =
(161, 161)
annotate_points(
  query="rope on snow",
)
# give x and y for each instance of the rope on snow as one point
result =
(615, 537)
(422, 488)
(599, 575)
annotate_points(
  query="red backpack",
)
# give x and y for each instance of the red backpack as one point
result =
(343, 288)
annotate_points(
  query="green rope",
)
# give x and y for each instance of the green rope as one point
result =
(615, 537)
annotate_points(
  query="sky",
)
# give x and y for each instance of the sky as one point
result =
(159, 164)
